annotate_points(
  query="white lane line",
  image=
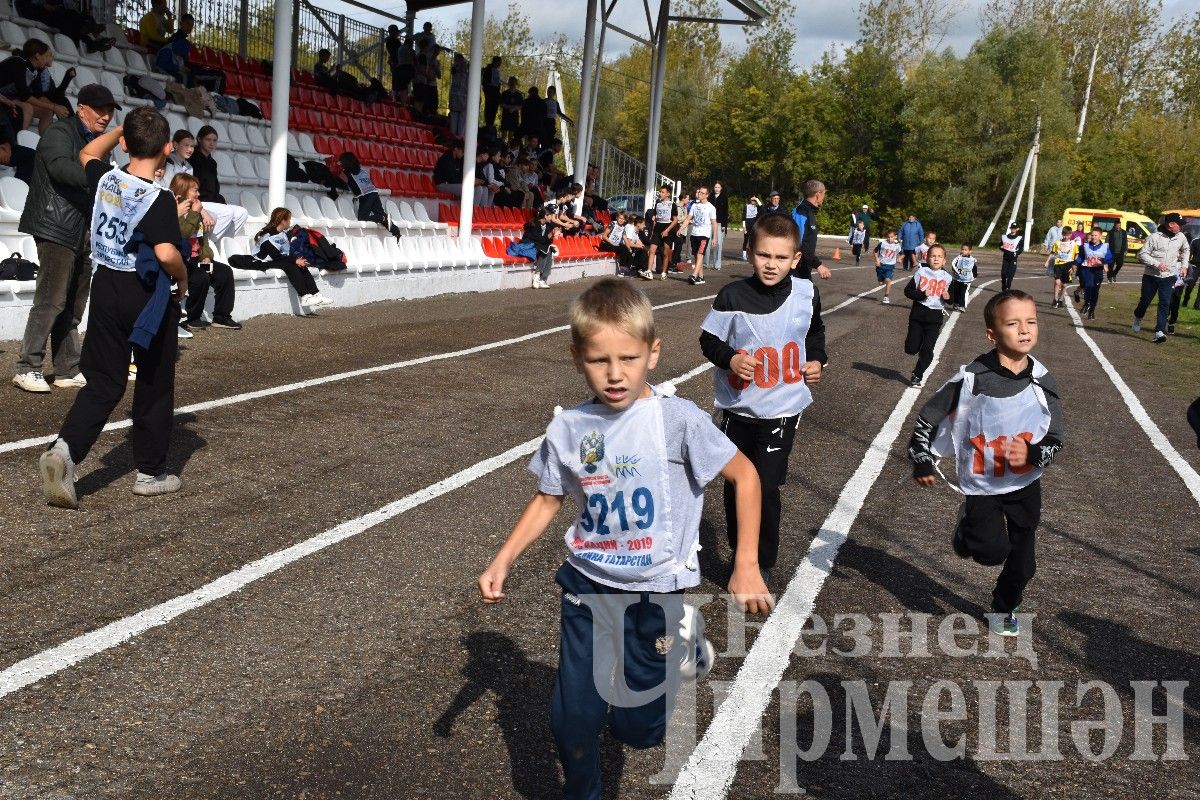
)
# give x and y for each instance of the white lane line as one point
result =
(71, 652)
(1185, 471)
(712, 766)
(208, 405)
(55, 659)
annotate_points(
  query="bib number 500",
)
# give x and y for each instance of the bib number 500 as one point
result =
(999, 448)
(770, 369)
(641, 503)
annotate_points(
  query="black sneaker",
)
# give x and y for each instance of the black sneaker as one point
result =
(956, 541)
(227, 324)
(1170, 330)
(916, 381)
(193, 324)
(1091, 313)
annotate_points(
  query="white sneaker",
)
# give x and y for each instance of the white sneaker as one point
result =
(698, 652)
(322, 300)
(31, 382)
(58, 476)
(132, 371)
(543, 284)
(308, 301)
(152, 485)
(184, 333)
(887, 301)
(77, 382)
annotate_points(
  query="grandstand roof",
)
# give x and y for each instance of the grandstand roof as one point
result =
(753, 11)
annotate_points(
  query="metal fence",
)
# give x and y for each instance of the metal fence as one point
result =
(621, 173)
(247, 27)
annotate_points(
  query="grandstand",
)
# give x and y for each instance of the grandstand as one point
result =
(430, 257)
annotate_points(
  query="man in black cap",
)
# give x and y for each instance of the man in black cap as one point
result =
(57, 215)
(1164, 255)
(773, 206)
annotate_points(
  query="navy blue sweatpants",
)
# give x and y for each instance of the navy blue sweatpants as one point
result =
(598, 623)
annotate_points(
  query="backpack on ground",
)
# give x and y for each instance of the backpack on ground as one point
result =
(15, 268)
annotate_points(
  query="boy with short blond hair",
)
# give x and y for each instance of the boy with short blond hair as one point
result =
(1001, 419)
(767, 340)
(635, 459)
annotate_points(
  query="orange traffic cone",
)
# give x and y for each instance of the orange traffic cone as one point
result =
(837, 254)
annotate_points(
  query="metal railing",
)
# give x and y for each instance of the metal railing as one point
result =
(621, 173)
(247, 28)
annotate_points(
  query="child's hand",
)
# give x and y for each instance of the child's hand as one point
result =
(491, 583)
(928, 481)
(812, 372)
(743, 365)
(301, 262)
(750, 592)
(946, 295)
(1017, 452)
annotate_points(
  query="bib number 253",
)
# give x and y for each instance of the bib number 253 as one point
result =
(999, 448)
(112, 228)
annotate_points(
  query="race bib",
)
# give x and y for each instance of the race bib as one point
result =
(122, 201)
(932, 283)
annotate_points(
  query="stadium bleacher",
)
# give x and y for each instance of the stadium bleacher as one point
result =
(399, 153)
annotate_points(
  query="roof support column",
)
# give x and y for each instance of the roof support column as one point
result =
(281, 81)
(471, 137)
(656, 93)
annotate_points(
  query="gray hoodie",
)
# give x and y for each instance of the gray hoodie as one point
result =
(1164, 248)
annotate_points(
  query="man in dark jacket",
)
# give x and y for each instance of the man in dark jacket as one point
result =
(448, 170)
(57, 215)
(805, 216)
(1118, 243)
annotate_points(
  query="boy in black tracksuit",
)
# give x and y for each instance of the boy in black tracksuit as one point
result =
(1011, 247)
(1002, 423)
(135, 244)
(767, 340)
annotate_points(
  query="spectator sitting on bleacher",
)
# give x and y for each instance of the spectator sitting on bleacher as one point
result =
(203, 271)
(228, 220)
(546, 155)
(75, 23)
(173, 59)
(539, 232)
(273, 251)
(22, 83)
(368, 205)
(613, 241)
(323, 71)
(493, 178)
(448, 170)
(481, 189)
(560, 213)
(16, 160)
(156, 25)
(514, 183)
(57, 215)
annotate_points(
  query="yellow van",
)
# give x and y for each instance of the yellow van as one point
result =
(1137, 226)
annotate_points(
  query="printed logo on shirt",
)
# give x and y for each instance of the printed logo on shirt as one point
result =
(591, 451)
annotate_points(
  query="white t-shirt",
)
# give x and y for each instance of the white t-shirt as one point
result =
(631, 232)
(703, 215)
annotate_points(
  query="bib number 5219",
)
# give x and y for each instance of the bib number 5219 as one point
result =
(999, 448)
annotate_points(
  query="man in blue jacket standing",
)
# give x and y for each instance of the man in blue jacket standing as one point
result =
(912, 233)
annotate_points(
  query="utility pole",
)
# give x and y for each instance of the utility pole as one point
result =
(1087, 91)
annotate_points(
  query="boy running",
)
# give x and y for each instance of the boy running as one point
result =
(927, 289)
(1093, 258)
(703, 232)
(1062, 256)
(635, 460)
(1010, 248)
(923, 249)
(767, 340)
(858, 237)
(964, 269)
(887, 252)
(1001, 419)
(135, 243)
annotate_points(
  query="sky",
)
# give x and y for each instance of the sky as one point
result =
(820, 24)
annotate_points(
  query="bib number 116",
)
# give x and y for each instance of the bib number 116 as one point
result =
(999, 448)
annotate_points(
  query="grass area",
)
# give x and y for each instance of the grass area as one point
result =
(1172, 365)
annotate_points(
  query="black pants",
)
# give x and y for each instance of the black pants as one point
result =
(370, 209)
(924, 325)
(910, 259)
(299, 277)
(220, 279)
(857, 250)
(999, 529)
(1008, 271)
(767, 443)
(624, 257)
(1188, 288)
(117, 301)
(1118, 262)
(1179, 296)
(491, 104)
(958, 293)
(209, 78)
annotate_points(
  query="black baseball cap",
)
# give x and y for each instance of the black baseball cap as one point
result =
(1013, 225)
(774, 193)
(96, 96)
(1173, 217)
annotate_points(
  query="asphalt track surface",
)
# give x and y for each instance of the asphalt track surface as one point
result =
(369, 669)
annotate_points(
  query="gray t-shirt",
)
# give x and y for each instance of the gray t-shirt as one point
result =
(697, 451)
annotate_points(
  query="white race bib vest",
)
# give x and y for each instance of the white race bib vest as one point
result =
(625, 529)
(776, 341)
(616, 234)
(857, 236)
(662, 211)
(932, 283)
(888, 253)
(1009, 244)
(1064, 251)
(1098, 252)
(703, 215)
(280, 240)
(122, 200)
(978, 432)
(363, 180)
(922, 252)
(964, 268)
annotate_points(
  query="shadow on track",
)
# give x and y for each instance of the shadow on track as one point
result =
(120, 461)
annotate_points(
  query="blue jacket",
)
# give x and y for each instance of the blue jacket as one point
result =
(150, 271)
(911, 234)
